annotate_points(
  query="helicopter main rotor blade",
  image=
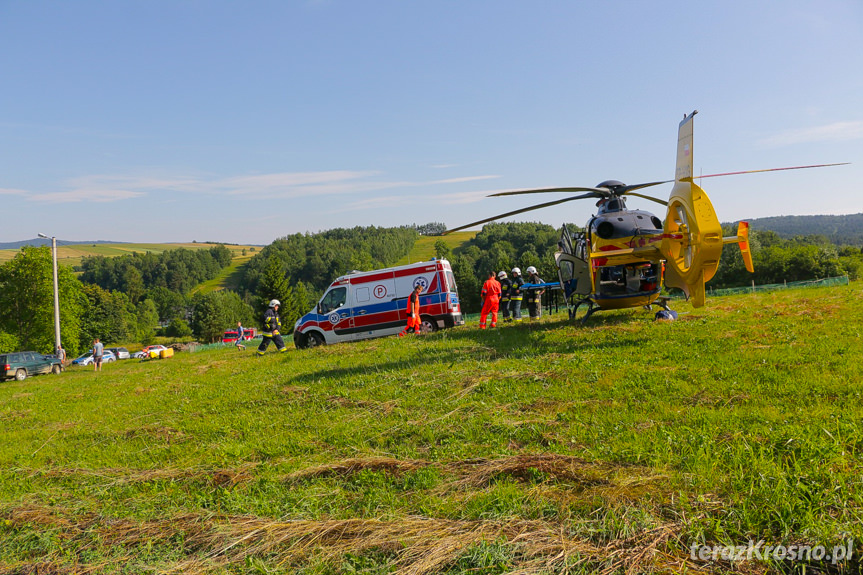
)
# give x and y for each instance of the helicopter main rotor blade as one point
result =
(771, 170)
(628, 189)
(601, 191)
(651, 198)
(515, 212)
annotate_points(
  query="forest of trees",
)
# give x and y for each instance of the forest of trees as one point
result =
(845, 230)
(178, 270)
(133, 298)
(317, 259)
(777, 260)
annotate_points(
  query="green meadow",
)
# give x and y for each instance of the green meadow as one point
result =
(424, 249)
(548, 447)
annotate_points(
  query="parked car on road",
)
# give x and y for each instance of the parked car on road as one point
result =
(119, 352)
(21, 364)
(87, 358)
(145, 353)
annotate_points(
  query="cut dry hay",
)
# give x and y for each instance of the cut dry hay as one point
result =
(415, 545)
(350, 467)
(119, 476)
(481, 472)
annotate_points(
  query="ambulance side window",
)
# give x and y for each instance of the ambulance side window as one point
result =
(361, 295)
(334, 299)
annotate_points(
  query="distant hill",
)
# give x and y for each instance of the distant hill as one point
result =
(36, 242)
(71, 253)
(842, 230)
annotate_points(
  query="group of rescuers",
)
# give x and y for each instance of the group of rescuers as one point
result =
(507, 294)
(498, 293)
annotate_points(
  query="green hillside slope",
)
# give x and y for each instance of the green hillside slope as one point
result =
(424, 250)
(534, 448)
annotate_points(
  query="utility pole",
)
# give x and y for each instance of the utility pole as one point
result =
(56, 294)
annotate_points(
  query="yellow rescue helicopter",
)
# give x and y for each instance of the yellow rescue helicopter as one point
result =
(624, 257)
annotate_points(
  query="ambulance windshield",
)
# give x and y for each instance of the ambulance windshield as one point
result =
(334, 299)
(450, 280)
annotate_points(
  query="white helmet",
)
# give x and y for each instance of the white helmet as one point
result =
(516, 271)
(274, 303)
(531, 270)
(501, 275)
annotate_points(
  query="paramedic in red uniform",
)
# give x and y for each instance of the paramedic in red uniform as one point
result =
(414, 323)
(490, 298)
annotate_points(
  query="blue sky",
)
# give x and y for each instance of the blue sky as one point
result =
(244, 122)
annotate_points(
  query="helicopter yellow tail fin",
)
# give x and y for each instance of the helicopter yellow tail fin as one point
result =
(692, 239)
(684, 149)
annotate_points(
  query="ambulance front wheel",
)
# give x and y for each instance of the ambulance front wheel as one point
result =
(309, 340)
(427, 325)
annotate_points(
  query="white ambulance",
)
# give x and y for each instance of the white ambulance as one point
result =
(362, 305)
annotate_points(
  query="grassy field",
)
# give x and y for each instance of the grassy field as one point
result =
(229, 277)
(533, 448)
(71, 255)
(423, 249)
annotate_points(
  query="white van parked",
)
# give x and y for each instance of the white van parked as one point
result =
(362, 305)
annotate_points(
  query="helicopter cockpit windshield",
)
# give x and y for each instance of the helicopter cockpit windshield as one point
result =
(614, 204)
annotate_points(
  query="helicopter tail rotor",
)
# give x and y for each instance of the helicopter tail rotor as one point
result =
(742, 239)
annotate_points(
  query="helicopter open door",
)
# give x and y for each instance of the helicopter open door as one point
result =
(573, 267)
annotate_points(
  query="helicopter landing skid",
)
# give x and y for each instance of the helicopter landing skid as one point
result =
(591, 309)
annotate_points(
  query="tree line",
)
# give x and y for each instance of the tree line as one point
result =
(137, 297)
(777, 260)
(841, 230)
(178, 270)
(89, 310)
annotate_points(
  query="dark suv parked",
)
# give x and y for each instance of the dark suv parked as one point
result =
(18, 365)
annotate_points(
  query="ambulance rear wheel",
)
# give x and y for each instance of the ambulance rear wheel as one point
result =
(427, 325)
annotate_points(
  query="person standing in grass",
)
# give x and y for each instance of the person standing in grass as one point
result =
(515, 294)
(240, 334)
(272, 329)
(413, 311)
(490, 300)
(505, 285)
(98, 350)
(534, 295)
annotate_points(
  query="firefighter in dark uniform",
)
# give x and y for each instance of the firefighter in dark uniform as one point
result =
(505, 284)
(534, 294)
(516, 294)
(272, 329)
